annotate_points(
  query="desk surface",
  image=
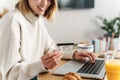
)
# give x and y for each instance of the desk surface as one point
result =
(50, 76)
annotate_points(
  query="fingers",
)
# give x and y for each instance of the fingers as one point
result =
(92, 56)
(78, 56)
(89, 55)
(53, 63)
(49, 55)
(52, 59)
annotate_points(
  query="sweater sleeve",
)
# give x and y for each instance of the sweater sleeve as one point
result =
(12, 65)
(15, 68)
(50, 44)
(67, 55)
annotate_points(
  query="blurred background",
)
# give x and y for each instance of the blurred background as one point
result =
(76, 24)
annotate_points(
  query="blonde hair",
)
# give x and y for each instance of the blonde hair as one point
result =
(49, 14)
(5, 10)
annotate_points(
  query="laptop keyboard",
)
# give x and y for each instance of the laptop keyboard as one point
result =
(92, 68)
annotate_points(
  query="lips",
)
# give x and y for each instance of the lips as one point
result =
(42, 9)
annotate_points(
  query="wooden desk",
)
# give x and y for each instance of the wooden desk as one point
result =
(50, 76)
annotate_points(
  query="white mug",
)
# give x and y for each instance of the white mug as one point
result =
(86, 47)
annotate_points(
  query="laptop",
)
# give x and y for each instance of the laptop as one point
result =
(84, 68)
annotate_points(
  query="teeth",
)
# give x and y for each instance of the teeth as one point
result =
(41, 8)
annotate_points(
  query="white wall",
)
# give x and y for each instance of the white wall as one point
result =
(76, 25)
(9, 4)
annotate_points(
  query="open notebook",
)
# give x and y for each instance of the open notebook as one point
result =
(83, 68)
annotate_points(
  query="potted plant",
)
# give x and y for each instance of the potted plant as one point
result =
(109, 27)
(112, 28)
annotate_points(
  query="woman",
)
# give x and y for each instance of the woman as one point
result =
(26, 47)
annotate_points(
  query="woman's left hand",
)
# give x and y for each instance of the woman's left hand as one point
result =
(84, 55)
(50, 60)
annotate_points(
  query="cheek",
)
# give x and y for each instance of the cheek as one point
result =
(32, 3)
(35, 0)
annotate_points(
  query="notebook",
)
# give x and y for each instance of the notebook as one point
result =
(83, 68)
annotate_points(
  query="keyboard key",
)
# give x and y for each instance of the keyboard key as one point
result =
(92, 68)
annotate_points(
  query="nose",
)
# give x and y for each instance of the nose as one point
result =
(43, 3)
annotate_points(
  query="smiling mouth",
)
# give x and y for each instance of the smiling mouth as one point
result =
(41, 9)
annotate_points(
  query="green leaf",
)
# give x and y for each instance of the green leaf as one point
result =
(105, 28)
(108, 26)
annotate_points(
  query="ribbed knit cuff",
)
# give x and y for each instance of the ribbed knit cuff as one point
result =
(36, 68)
(69, 54)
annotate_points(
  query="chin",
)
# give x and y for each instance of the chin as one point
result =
(41, 13)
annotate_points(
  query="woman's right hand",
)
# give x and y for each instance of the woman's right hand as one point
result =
(50, 60)
(84, 55)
